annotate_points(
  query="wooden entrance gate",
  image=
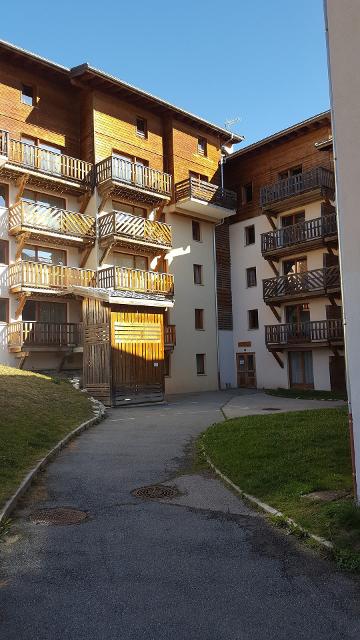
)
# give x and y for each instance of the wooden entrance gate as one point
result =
(123, 353)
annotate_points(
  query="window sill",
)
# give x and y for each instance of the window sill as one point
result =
(201, 375)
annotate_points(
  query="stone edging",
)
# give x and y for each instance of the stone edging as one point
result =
(265, 507)
(99, 412)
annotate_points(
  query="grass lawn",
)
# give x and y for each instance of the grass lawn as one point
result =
(36, 412)
(278, 458)
(307, 394)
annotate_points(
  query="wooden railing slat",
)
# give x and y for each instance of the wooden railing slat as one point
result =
(317, 177)
(312, 331)
(305, 231)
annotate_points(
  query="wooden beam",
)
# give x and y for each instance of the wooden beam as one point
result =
(85, 255)
(21, 182)
(333, 301)
(104, 198)
(278, 359)
(271, 221)
(21, 242)
(84, 201)
(330, 249)
(275, 312)
(274, 268)
(106, 253)
(21, 304)
(23, 355)
(62, 360)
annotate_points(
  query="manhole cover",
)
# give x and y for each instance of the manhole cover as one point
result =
(271, 409)
(62, 515)
(155, 491)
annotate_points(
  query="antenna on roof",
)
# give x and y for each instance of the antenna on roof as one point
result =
(231, 121)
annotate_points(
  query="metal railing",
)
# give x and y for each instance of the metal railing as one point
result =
(205, 191)
(315, 178)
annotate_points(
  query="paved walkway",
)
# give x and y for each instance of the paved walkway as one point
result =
(199, 567)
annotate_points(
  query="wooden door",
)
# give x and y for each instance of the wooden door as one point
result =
(337, 373)
(97, 353)
(246, 370)
(137, 347)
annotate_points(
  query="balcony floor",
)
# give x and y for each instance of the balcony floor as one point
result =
(279, 252)
(298, 200)
(200, 209)
(303, 295)
(37, 178)
(53, 236)
(131, 193)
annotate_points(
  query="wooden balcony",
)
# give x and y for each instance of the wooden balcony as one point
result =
(40, 222)
(304, 187)
(304, 335)
(295, 286)
(47, 278)
(169, 337)
(44, 168)
(205, 199)
(44, 336)
(133, 182)
(309, 234)
(124, 229)
(136, 281)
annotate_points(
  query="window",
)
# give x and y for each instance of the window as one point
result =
(141, 127)
(28, 95)
(167, 365)
(198, 275)
(4, 195)
(124, 207)
(253, 317)
(4, 310)
(129, 261)
(288, 173)
(250, 234)
(44, 199)
(296, 265)
(4, 252)
(293, 218)
(198, 176)
(251, 277)
(196, 231)
(200, 364)
(42, 254)
(247, 193)
(199, 319)
(44, 311)
(202, 146)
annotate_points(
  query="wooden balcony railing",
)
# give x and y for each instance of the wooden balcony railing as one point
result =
(31, 216)
(316, 331)
(297, 234)
(133, 174)
(170, 335)
(309, 282)
(126, 225)
(124, 279)
(205, 191)
(38, 275)
(316, 178)
(42, 160)
(44, 334)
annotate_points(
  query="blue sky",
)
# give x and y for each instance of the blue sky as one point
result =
(263, 61)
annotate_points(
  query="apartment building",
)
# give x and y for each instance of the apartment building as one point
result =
(109, 202)
(285, 279)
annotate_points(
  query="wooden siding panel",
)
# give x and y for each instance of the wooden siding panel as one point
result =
(223, 277)
(186, 157)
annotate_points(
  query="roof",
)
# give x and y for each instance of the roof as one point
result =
(278, 137)
(103, 81)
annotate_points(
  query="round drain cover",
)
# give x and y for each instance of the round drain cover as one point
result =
(271, 409)
(61, 515)
(155, 491)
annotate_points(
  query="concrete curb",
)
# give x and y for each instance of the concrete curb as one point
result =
(99, 413)
(263, 506)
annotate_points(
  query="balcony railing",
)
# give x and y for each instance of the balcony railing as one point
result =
(44, 334)
(292, 285)
(31, 216)
(316, 331)
(124, 279)
(169, 336)
(205, 191)
(307, 231)
(38, 275)
(42, 160)
(132, 227)
(316, 178)
(133, 175)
